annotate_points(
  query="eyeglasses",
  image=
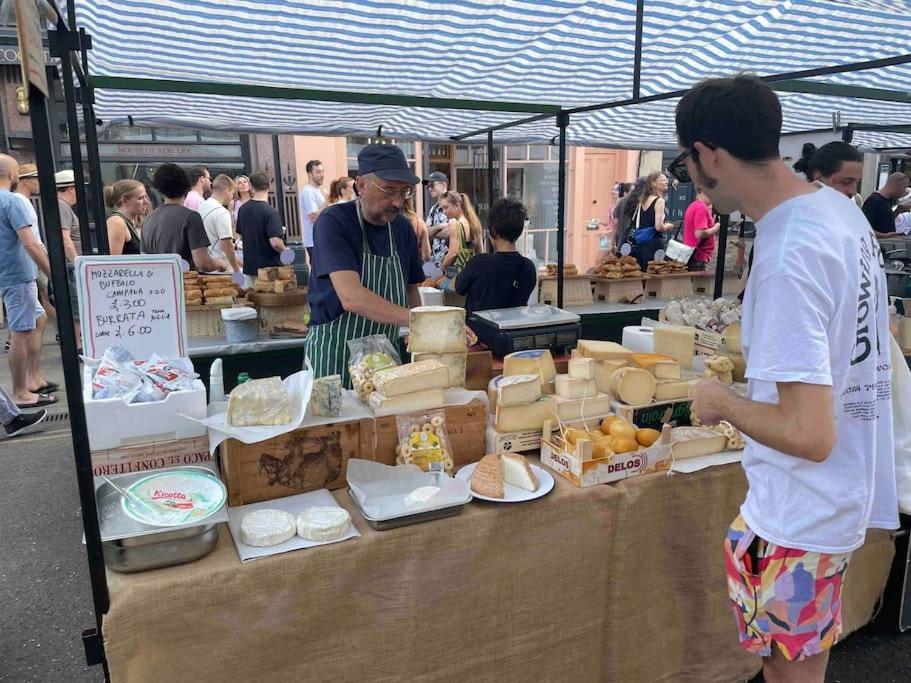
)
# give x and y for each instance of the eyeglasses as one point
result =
(407, 193)
(678, 169)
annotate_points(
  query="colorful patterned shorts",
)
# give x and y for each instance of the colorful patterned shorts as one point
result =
(781, 595)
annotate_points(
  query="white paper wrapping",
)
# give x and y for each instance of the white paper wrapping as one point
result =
(690, 465)
(384, 492)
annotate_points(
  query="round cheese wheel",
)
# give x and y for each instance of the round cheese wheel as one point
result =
(264, 528)
(633, 386)
(323, 523)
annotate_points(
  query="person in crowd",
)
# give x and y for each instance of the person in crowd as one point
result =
(505, 278)
(819, 458)
(216, 218)
(14, 421)
(341, 190)
(72, 241)
(26, 188)
(437, 222)
(366, 268)
(420, 229)
(902, 215)
(878, 207)
(260, 227)
(621, 218)
(127, 199)
(836, 164)
(172, 228)
(242, 195)
(69, 222)
(23, 256)
(200, 186)
(466, 236)
(645, 211)
(609, 225)
(312, 200)
(699, 230)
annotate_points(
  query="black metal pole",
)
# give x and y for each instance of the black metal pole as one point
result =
(97, 183)
(637, 55)
(847, 135)
(58, 43)
(562, 123)
(279, 189)
(490, 174)
(722, 252)
(44, 155)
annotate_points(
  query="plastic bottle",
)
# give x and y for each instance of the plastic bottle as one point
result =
(243, 377)
(216, 382)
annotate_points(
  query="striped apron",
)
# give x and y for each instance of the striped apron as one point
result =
(327, 344)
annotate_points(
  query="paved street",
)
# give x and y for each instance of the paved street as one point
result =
(45, 593)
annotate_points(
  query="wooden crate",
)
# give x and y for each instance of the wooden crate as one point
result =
(205, 321)
(674, 286)
(577, 290)
(622, 290)
(275, 315)
(151, 456)
(303, 460)
(465, 426)
(478, 369)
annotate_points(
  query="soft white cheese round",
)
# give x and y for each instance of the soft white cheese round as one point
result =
(264, 528)
(323, 524)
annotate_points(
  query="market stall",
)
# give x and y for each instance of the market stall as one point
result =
(615, 549)
(617, 582)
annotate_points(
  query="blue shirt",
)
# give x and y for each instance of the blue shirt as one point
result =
(16, 266)
(338, 244)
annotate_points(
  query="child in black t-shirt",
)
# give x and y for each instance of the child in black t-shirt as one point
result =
(504, 279)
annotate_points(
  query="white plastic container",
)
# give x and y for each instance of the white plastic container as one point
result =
(112, 423)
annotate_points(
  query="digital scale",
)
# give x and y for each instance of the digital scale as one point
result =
(505, 330)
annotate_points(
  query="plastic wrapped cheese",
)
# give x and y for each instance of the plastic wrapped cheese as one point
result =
(259, 402)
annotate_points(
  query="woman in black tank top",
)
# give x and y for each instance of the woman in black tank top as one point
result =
(645, 209)
(128, 198)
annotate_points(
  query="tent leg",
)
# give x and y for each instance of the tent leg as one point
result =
(59, 44)
(722, 252)
(562, 123)
(97, 184)
(44, 155)
(279, 187)
(490, 180)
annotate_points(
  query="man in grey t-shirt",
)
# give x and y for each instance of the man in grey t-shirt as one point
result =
(69, 223)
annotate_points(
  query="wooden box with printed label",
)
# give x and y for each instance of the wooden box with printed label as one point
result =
(148, 457)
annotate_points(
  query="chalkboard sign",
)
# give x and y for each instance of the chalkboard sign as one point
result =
(131, 301)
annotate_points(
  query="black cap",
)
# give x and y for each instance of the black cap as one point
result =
(436, 177)
(386, 162)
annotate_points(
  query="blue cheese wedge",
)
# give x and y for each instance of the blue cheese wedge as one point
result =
(326, 398)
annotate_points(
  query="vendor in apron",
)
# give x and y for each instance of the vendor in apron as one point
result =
(366, 268)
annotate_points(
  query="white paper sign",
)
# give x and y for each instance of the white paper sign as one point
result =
(131, 301)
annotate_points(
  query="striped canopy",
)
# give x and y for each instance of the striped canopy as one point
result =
(492, 61)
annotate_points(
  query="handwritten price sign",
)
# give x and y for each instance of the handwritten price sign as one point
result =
(131, 301)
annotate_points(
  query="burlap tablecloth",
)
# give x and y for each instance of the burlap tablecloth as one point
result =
(612, 583)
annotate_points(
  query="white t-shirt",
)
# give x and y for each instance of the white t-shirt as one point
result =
(32, 215)
(311, 201)
(217, 220)
(816, 312)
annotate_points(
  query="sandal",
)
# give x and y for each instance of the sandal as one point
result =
(47, 388)
(43, 400)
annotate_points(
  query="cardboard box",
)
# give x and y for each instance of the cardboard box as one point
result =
(303, 460)
(465, 426)
(655, 414)
(478, 370)
(512, 442)
(581, 469)
(151, 456)
(111, 423)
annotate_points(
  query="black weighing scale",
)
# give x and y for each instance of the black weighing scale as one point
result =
(505, 330)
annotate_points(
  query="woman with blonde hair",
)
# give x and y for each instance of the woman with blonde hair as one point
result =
(466, 237)
(420, 229)
(243, 194)
(128, 199)
(341, 190)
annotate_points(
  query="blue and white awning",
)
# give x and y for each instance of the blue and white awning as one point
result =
(565, 53)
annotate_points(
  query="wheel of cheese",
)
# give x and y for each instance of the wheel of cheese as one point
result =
(633, 386)
(323, 523)
(265, 528)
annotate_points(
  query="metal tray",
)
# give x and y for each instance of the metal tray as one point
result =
(395, 522)
(169, 548)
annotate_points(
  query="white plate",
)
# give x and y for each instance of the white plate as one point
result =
(514, 494)
(178, 496)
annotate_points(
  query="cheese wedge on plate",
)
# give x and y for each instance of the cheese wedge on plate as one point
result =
(411, 377)
(693, 442)
(517, 472)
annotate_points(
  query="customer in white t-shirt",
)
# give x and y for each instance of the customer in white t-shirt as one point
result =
(216, 217)
(818, 420)
(312, 201)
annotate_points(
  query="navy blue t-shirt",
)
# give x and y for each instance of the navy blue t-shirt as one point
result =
(338, 244)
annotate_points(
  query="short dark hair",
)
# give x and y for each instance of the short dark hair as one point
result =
(827, 159)
(741, 115)
(507, 219)
(313, 163)
(260, 181)
(171, 180)
(195, 173)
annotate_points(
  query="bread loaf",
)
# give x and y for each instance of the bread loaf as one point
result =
(270, 273)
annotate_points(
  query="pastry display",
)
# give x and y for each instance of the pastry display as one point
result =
(619, 267)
